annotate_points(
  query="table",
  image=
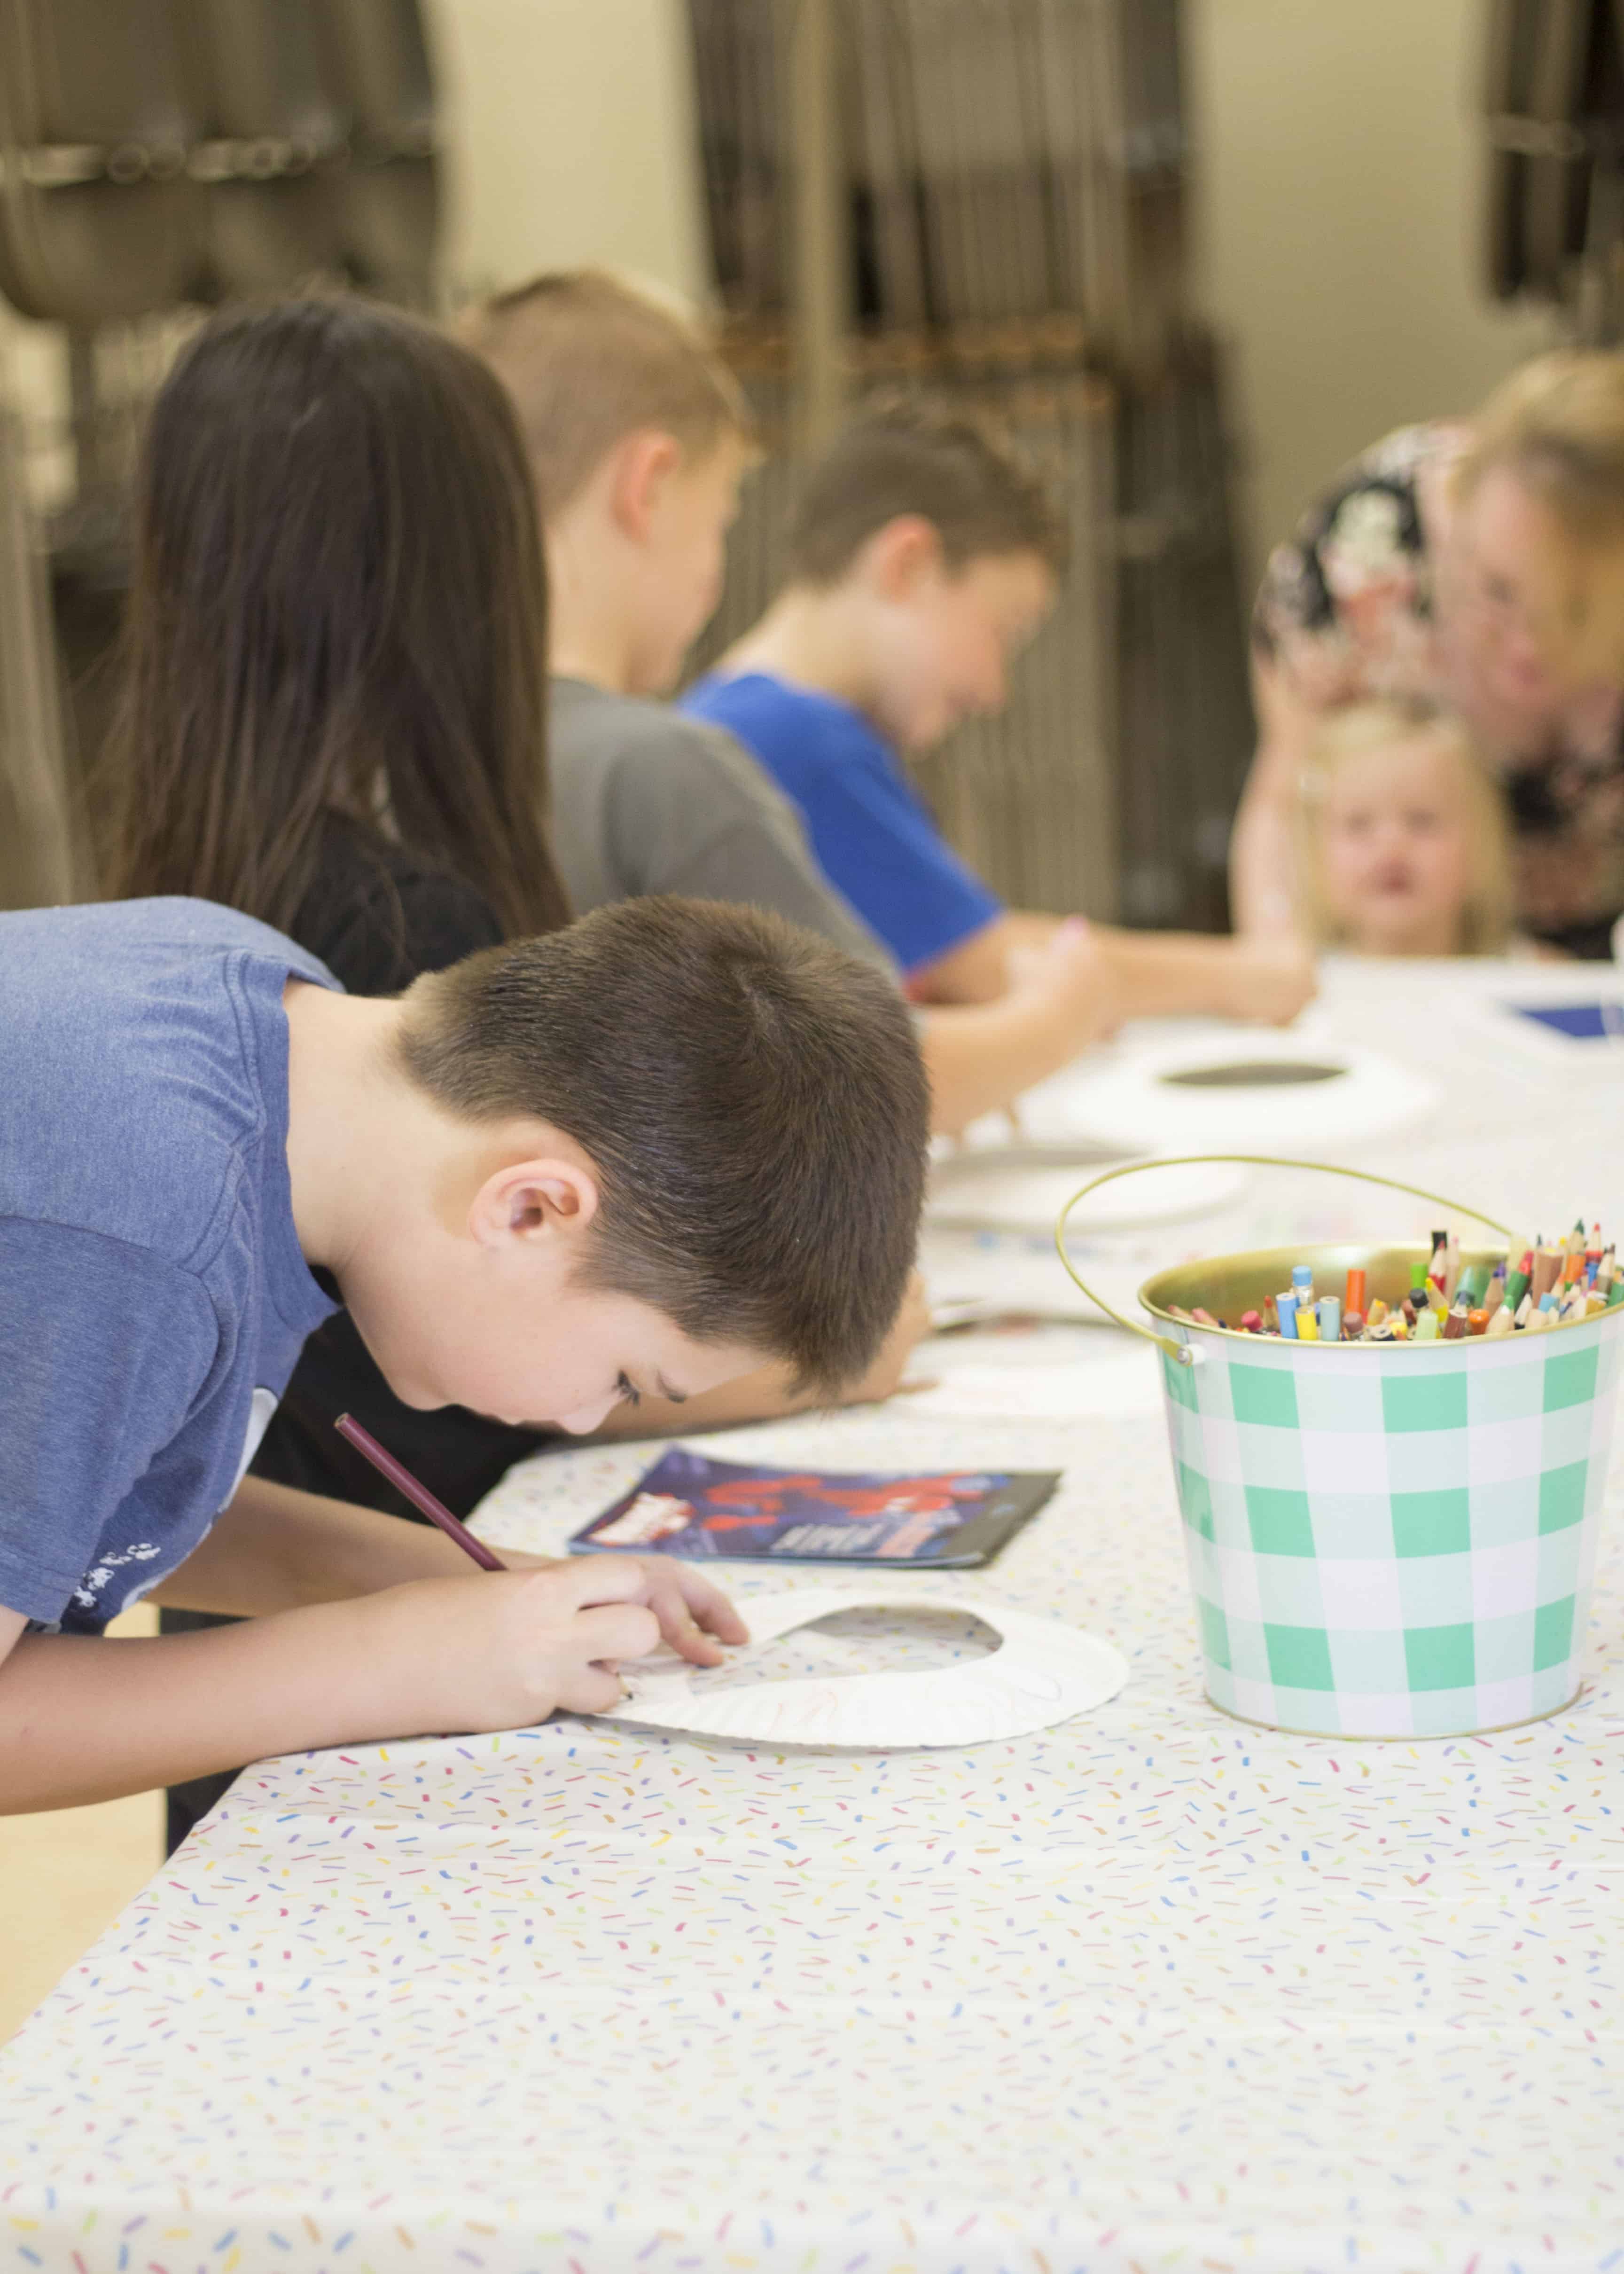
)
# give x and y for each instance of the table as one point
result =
(1151, 1990)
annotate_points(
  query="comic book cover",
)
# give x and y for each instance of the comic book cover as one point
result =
(689, 1505)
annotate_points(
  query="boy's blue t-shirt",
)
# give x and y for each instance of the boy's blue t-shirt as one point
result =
(870, 829)
(153, 1293)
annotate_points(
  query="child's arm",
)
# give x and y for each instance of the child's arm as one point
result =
(980, 1056)
(84, 1718)
(1153, 974)
(1263, 881)
(277, 1549)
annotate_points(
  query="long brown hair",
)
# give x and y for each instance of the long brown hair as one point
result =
(338, 610)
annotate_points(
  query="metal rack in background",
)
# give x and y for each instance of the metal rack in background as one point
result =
(1553, 104)
(1008, 198)
(157, 156)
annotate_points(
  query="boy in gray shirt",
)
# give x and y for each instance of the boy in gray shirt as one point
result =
(639, 438)
(647, 801)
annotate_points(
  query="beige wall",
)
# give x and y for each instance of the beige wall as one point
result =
(568, 131)
(1338, 227)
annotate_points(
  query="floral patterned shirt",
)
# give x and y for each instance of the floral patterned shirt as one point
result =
(1346, 614)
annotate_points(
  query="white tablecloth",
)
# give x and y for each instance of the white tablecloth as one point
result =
(1154, 1989)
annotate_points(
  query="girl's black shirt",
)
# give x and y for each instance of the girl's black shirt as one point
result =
(378, 915)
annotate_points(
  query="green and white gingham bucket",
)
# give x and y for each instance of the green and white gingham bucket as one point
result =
(1384, 1539)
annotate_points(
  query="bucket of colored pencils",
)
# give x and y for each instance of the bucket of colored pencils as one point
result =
(1392, 1535)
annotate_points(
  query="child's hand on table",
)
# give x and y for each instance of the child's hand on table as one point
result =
(695, 1615)
(502, 1650)
(1071, 970)
(1268, 980)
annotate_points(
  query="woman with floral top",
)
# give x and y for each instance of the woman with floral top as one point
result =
(1478, 565)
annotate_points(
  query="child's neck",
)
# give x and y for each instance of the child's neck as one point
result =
(813, 638)
(589, 635)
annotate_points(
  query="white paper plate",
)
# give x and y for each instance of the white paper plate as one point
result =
(1024, 1187)
(1229, 1091)
(1043, 1672)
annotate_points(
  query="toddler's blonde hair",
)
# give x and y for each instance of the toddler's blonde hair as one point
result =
(1352, 732)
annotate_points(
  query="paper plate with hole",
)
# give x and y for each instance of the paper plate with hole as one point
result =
(1024, 1187)
(1229, 1090)
(1041, 1673)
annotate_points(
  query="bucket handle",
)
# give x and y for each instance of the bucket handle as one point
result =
(1183, 1351)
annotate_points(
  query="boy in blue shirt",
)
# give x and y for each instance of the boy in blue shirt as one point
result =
(924, 559)
(641, 1156)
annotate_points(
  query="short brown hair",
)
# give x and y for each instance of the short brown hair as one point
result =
(588, 360)
(921, 458)
(752, 1098)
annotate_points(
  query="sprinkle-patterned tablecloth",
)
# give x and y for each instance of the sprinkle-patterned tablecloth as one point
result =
(1151, 1990)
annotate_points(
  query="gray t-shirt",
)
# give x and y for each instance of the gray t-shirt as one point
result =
(647, 801)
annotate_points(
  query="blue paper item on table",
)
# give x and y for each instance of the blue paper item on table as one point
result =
(1581, 1022)
(689, 1505)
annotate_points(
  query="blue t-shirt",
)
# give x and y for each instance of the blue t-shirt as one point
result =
(153, 1293)
(870, 829)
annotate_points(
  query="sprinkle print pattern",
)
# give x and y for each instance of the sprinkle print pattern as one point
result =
(1153, 1990)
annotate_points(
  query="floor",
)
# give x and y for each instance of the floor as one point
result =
(67, 1874)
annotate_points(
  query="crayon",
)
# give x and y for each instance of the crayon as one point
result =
(1616, 1294)
(1476, 1322)
(1201, 1318)
(1307, 1324)
(1500, 1324)
(1286, 1306)
(1525, 1308)
(1399, 1326)
(1330, 1319)
(1474, 1284)
(1426, 1326)
(1252, 1322)
(1437, 1270)
(1353, 1326)
(1455, 1322)
(1495, 1296)
(1518, 1282)
(1303, 1285)
(1595, 1303)
(1353, 1293)
(1376, 1314)
(1452, 1268)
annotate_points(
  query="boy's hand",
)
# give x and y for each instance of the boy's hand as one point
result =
(691, 1608)
(502, 1650)
(1073, 968)
(1268, 980)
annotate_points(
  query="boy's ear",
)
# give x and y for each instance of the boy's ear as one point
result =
(641, 467)
(902, 554)
(532, 1197)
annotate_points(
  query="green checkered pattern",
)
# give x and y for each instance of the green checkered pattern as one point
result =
(1387, 1541)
